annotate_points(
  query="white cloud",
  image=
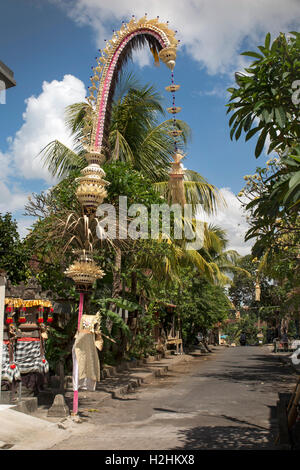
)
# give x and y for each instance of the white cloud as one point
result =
(211, 31)
(24, 224)
(11, 197)
(5, 166)
(142, 56)
(218, 91)
(232, 219)
(44, 122)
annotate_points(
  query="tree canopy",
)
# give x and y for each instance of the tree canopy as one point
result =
(14, 256)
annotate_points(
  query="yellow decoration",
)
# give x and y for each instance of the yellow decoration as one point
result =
(17, 303)
(175, 184)
(257, 291)
(176, 165)
(90, 195)
(155, 55)
(84, 272)
(94, 157)
(172, 88)
(167, 54)
(174, 109)
(175, 132)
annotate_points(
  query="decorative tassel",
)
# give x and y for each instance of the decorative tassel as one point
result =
(155, 55)
(41, 315)
(176, 186)
(257, 291)
(50, 315)
(9, 313)
(22, 318)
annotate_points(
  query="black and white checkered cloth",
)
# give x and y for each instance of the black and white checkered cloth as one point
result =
(8, 373)
(27, 358)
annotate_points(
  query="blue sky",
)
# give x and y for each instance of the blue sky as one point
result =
(51, 46)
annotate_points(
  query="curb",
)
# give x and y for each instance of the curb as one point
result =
(110, 371)
(134, 383)
(27, 405)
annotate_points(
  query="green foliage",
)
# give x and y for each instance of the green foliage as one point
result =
(143, 344)
(264, 105)
(274, 224)
(126, 181)
(59, 343)
(108, 317)
(140, 269)
(121, 303)
(136, 133)
(200, 304)
(262, 102)
(14, 255)
(248, 325)
(275, 281)
(284, 185)
(274, 195)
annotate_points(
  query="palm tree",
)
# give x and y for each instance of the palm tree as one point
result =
(225, 262)
(135, 136)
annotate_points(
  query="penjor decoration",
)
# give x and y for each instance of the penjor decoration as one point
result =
(176, 186)
(92, 185)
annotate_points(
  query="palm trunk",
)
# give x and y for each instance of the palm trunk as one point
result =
(134, 284)
(117, 273)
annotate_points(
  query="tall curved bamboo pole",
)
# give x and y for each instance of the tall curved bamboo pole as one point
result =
(91, 189)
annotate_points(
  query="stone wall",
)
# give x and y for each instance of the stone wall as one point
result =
(32, 290)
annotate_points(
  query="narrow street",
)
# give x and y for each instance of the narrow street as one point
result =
(226, 400)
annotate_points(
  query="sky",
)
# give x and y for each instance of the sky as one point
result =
(51, 46)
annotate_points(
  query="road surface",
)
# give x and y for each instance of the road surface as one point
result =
(225, 400)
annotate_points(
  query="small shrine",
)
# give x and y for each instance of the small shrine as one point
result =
(167, 332)
(24, 337)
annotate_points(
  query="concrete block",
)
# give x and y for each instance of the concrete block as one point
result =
(5, 398)
(59, 409)
(27, 405)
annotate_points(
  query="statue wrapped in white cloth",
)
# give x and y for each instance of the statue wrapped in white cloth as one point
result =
(86, 364)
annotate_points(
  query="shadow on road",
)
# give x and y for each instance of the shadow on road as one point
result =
(265, 369)
(227, 437)
(241, 435)
(237, 433)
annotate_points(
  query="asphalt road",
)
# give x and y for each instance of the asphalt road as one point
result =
(225, 400)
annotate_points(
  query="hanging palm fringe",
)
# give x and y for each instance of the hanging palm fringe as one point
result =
(155, 55)
(176, 192)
